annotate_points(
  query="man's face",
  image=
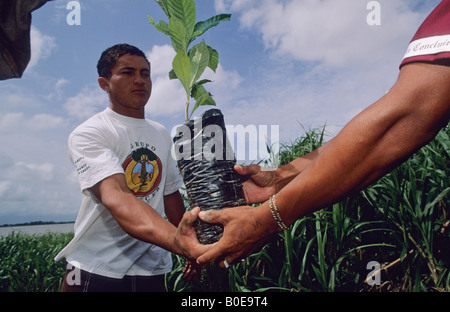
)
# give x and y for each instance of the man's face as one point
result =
(129, 86)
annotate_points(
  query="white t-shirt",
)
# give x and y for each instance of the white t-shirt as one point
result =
(107, 144)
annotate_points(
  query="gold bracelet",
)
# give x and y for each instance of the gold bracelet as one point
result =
(276, 214)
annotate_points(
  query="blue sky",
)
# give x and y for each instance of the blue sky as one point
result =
(294, 64)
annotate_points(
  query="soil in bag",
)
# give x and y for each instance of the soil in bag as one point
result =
(206, 162)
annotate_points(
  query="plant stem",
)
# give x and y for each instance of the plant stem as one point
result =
(186, 109)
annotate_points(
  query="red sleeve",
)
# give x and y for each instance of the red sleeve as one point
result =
(431, 42)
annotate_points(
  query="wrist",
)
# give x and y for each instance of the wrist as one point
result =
(290, 171)
(276, 214)
(269, 221)
(175, 243)
(283, 175)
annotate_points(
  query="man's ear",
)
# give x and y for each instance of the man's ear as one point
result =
(104, 84)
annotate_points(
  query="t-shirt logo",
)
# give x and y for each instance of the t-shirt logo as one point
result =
(142, 172)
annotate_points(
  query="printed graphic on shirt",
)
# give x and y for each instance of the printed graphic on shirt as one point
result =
(142, 172)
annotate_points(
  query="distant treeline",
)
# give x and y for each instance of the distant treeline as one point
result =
(36, 223)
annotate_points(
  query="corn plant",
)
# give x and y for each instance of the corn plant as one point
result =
(414, 200)
(26, 262)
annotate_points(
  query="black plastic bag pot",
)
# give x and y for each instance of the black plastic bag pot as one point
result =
(206, 163)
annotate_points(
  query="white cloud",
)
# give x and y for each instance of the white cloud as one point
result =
(41, 46)
(161, 58)
(87, 102)
(33, 160)
(167, 99)
(40, 171)
(4, 187)
(35, 188)
(223, 80)
(45, 121)
(168, 96)
(332, 32)
(11, 121)
(324, 64)
(18, 98)
(231, 5)
(57, 92)
(19, 123)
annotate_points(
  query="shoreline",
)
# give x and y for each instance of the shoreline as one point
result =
(37, 229)
(33, 223)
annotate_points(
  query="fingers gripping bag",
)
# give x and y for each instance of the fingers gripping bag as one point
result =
(206, 162)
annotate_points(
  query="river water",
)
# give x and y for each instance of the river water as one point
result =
(37, 229)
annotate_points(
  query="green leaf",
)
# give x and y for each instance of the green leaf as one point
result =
(200, 102)
(213, 59)
(202, 27)
(189, 65)
(202, 82)
(199, 57)
(178, 32)
(182, 68)
(172, 75)
(163, 27)
(201, 96)
(198, 92)
(185, 12)
(164, 6)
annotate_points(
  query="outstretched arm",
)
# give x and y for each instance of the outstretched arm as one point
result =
(372, 144)
(262, 183)
(143, 222)
(376, 141)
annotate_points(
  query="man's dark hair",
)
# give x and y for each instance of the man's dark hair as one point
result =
(110, 56)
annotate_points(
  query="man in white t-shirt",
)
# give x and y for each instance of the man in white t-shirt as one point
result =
(127, 224)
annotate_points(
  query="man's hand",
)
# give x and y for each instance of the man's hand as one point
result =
(260, 184)
(246, 229)
(186, 237)
(192, 270)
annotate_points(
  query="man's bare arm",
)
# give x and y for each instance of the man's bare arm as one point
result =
(143, 222)
(372, 144)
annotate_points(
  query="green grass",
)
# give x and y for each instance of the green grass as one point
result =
(26, 262)
(401, 221)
